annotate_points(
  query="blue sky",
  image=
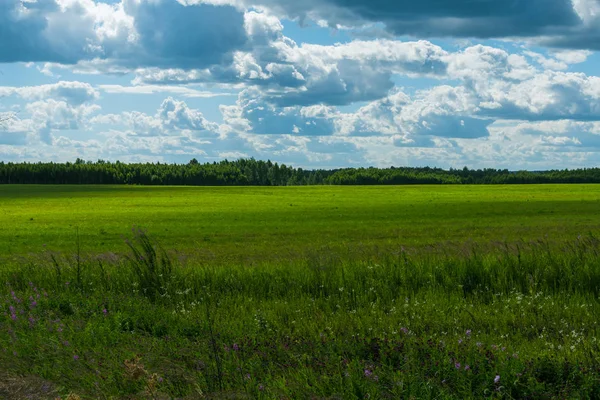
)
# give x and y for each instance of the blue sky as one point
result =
(313, 83)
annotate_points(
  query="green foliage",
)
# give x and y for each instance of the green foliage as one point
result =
(265, 173)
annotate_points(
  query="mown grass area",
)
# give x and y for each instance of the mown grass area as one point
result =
(505, 304)
(253, 224)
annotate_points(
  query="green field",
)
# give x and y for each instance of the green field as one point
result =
(249, 223)
(422, 292)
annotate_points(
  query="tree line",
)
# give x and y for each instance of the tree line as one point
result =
(266, 173)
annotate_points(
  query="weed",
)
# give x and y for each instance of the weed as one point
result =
(151, 265)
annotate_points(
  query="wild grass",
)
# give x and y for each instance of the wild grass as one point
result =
(519, 320)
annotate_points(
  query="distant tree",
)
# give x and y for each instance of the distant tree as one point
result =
(260, 173)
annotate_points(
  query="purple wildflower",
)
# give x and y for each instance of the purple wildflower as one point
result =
(261, 387)
(236, 347)
(497, 379)
(405, 330)
(368, 373)
(467, 367)
(13, 314)
(457, 365)
(468, 333)
(104, 311)
(75, 357)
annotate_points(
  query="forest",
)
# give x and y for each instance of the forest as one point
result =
(251, 172)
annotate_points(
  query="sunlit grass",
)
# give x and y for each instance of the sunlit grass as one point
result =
(250, 224)
(311, 292)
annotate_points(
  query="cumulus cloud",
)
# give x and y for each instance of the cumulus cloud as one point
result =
(171, 118)
(577, 135)
(291, 74)
(495, 85)
(75, 93)
(47, 116)
(562, 23)
(252, 113)
(129, 33)
(188, 36)
(13, 131)
(441, 112)
(177, 115)
(60, 106)
(444, 112)
(546, 96)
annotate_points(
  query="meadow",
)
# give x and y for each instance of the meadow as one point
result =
(300, 292)
(247, 224)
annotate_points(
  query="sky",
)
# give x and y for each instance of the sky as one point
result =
(312, 83)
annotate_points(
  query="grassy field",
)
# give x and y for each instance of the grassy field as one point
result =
(424, 292)
(250, 223)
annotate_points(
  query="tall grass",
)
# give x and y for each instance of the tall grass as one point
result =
(517, 321)
(150, 264)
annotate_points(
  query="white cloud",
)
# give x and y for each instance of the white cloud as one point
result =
(126, 34)
(171, 119)
(47, 116)
(75, 93)
(155, 89)
(572, 56)
(547, 63)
